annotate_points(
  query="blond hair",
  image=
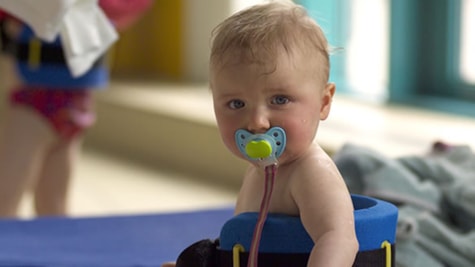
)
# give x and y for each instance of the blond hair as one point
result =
(258, 33)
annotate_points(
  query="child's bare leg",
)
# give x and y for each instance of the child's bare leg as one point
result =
(24, 140)
(52, 188)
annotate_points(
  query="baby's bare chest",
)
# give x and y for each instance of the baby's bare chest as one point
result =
(281, 198)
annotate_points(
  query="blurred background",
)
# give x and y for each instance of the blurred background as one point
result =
(405, 76)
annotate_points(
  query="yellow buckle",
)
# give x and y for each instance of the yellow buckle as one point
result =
(238, 248)
(387, 246)
(34, 53)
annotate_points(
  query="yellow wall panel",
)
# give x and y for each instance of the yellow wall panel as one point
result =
(152, 46)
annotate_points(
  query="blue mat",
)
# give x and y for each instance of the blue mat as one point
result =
(115, 241)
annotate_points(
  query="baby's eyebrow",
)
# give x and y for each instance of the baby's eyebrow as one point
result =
(227, 95)
(277, 90)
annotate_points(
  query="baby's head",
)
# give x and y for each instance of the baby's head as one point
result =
(269, 67)
(259, 34)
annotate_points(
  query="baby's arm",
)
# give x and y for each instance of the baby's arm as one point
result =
(326, 211)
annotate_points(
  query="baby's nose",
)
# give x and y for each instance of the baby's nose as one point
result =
(258, 122)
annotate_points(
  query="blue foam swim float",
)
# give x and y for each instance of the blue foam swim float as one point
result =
(43, 64)
(285, 242)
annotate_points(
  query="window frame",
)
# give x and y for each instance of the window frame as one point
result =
(417, 77)
(424, 52)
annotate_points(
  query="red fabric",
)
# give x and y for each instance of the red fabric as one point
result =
(68, 111)
(123, 13)
(5, 15)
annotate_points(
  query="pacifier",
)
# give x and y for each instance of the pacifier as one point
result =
(261, 148)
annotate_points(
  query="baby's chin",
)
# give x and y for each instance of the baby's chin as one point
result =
(289, 158)
(281, 161)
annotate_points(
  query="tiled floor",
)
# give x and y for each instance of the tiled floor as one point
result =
(104, 185)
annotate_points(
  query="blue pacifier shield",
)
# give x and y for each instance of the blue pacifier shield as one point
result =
(266, 147)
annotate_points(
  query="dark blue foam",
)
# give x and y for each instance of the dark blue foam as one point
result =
(375, 222)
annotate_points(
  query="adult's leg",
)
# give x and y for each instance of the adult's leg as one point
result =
(52, 188)
(25, 137)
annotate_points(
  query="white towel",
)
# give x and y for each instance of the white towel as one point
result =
(86, 34)
(44, 16)
(85, 31)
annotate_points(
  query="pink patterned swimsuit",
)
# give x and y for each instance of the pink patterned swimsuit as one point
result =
(68, 111)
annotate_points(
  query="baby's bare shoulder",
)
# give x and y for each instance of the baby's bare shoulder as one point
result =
(316, 174)
(315, 163)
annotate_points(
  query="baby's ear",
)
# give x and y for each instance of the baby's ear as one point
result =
(327, 97)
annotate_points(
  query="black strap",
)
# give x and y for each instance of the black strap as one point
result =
(376, 258)
(50, 54)
(372, 258)
(225, 259)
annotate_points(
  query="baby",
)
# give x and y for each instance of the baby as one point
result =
(269, 67)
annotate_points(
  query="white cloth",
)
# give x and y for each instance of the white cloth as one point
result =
(85, 31)
(86, 34)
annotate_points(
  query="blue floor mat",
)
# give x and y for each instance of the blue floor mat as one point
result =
(113, 241)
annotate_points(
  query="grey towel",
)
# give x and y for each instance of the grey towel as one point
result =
(436, 196)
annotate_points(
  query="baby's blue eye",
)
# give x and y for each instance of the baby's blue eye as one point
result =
(236, 104)
(280, 100)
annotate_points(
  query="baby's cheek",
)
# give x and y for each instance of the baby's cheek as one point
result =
(228, 140)
(298, 141)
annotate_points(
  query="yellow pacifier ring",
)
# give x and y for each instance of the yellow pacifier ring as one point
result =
(258, 149)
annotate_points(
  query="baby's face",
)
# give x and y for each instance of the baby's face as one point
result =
(250, 97)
